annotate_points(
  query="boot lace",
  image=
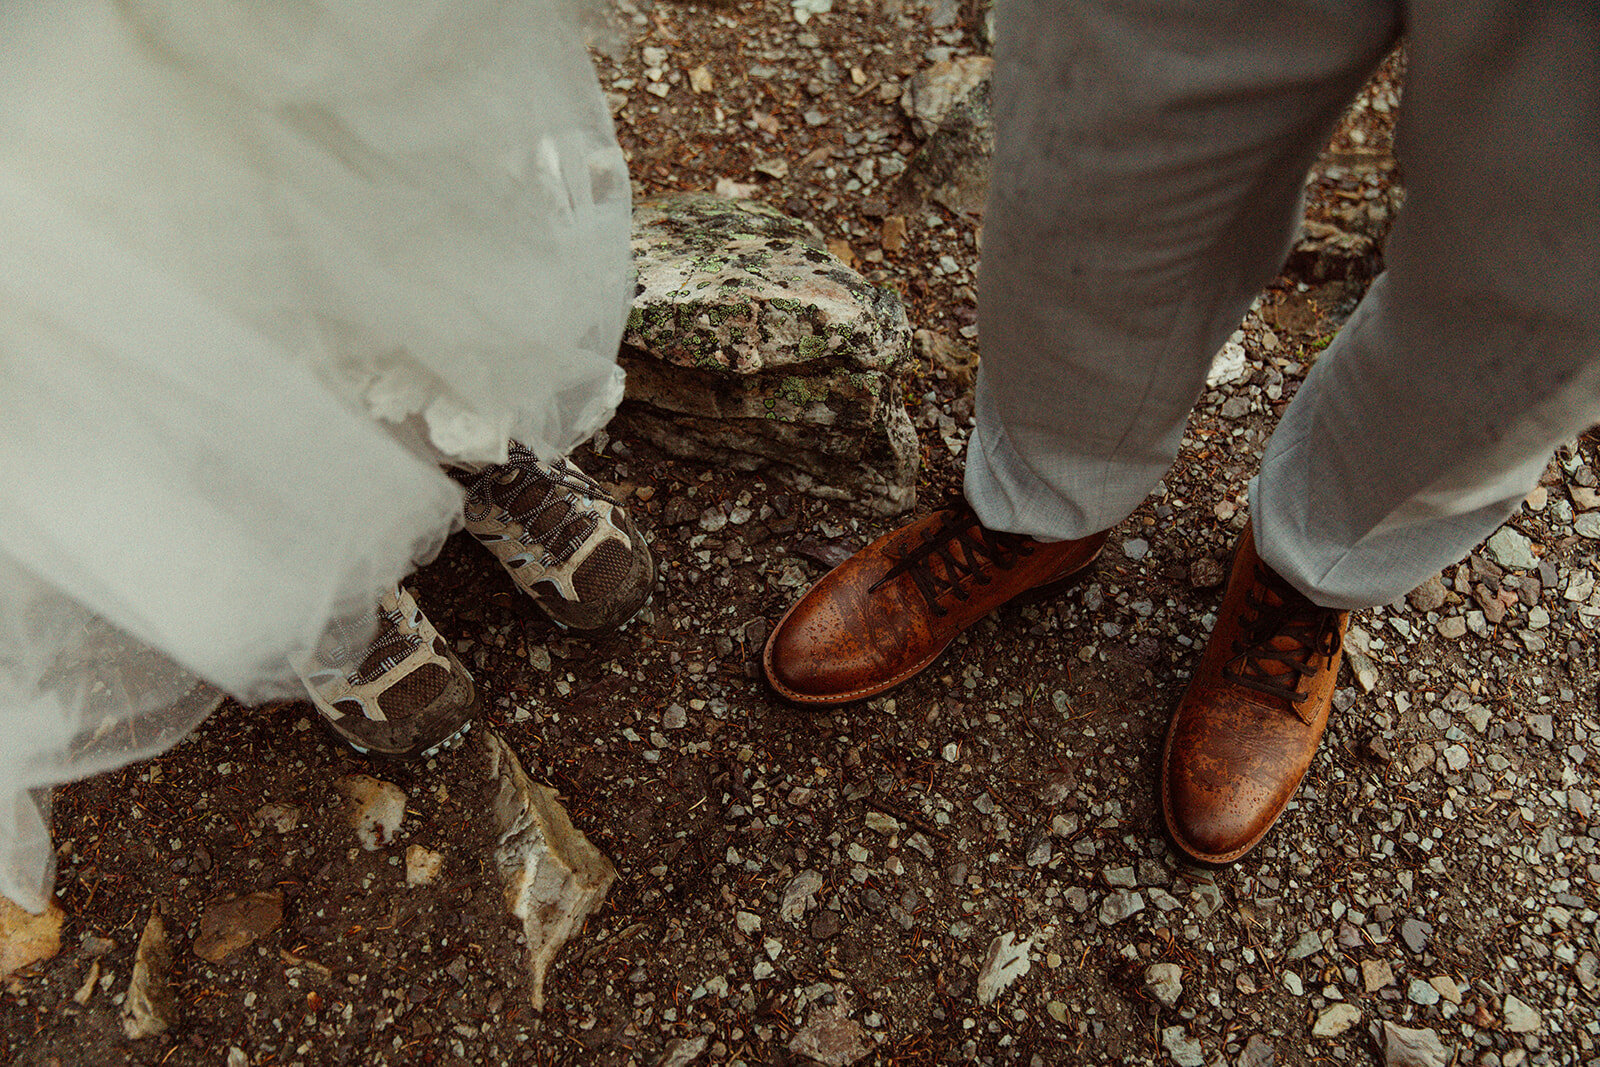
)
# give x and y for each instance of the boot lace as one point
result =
(1283, 634)
(965, 548)
(506, 484)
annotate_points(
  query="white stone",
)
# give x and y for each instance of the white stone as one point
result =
(1405, 1047)
(1511, 549)
(804, 9)
(149, 1007)
(931, 94)
(377, 809)
(1227, 366)
(1006, 962)
(1335, 1020)
(422, 865)
(883, 824)
(1120, 905)
(798, 894)
(553, 875)
(1520, 1018)
(1184, 1050)
(1165, 982)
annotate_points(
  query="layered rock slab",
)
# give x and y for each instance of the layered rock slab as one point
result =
(749, 344)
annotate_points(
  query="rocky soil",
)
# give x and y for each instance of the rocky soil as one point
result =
(969, 870)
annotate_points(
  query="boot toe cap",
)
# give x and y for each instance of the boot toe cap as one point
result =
(813, 657)
(1216, 811)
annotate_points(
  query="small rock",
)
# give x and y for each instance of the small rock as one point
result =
(798, 895)
(1258, 1052)
(1415, 933)
(1120, 877)
(1429, 596)
(748, 922)
(90, 979)
(826, 924)
(280, 818)
(1335, 1019)
(1119, 905)
(376, 809)
(1006, 962)
(229, 925)
(1520, 1018)
(1376, 974)
(149, 1007)
(881, 823)
(1309, 945)
(1452, 628)
(1588, 971)
(675, 717)
(1164, 981)
(1420, 992)
(26, 938)
(831, 1037)
(1136, 548)
(1184, 1050)
(1364, 669)
(422, 865)
(1511, 549)
(1040, 851)
(1227, 366)
(684, 1051)
(1446, 987)
(931, 94)
(1405, 1047)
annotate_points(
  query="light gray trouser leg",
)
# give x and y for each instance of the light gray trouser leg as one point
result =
(1146, 184)
(1436, 408)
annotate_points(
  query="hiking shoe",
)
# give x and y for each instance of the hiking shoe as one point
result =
(563, 539)
(1246, 730)
(404, 694)
(886, 613)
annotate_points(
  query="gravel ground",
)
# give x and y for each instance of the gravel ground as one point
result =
(971, 869)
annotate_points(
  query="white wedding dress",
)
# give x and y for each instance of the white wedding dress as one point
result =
(262, 266)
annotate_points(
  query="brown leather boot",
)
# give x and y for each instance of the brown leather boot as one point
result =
(1246, 729)
(887, 612)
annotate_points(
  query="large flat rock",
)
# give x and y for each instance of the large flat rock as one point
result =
(749, 344)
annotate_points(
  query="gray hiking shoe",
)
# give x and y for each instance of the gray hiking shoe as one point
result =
(404, 694)
(564, 541)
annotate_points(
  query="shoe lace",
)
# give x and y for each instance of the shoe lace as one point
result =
(965, 548)
(365, 662)
(1282, 634)
(564, 485)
